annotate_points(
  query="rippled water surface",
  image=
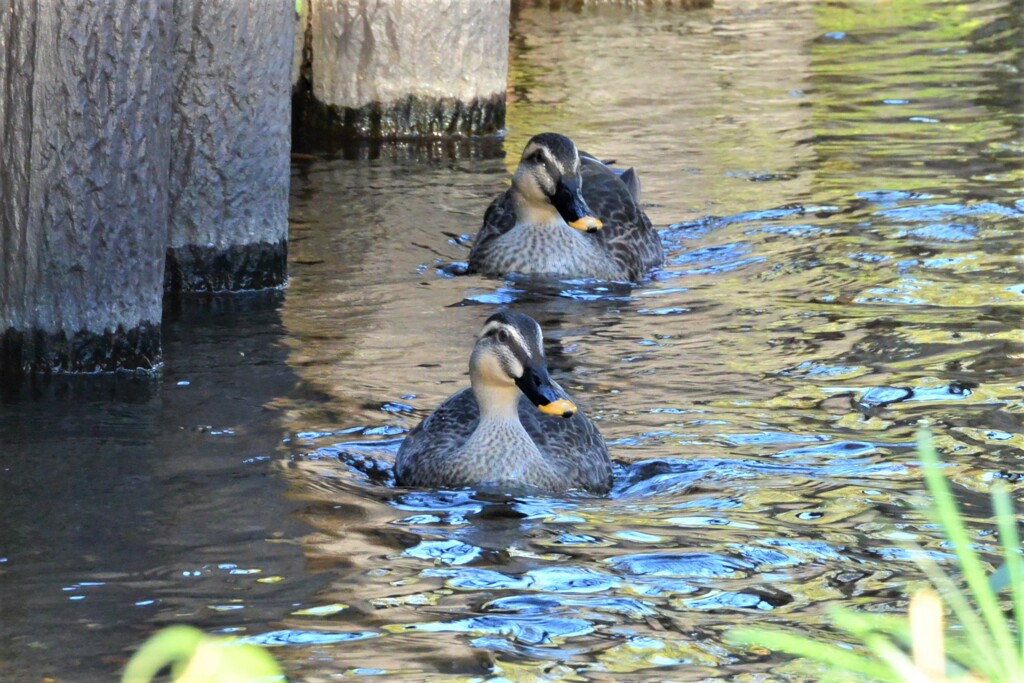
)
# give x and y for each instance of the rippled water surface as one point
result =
(840, 187)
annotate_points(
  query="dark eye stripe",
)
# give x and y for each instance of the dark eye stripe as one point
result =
(522, 354)
(524, 343)
(552, 168)
(549, 164)
(546, 182)
(542, 156)
(513, 343)
(507, 359)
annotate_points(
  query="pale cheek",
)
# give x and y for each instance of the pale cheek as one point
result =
(545, 185)
(510, 366)
(492, 370)
(529, 186)
(533, 189)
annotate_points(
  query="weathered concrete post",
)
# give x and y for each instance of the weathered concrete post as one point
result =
(83, 210)
(231, 125)
(403, 68)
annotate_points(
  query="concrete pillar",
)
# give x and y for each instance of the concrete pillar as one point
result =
(231, 125)
(83, 211)
(403, 68)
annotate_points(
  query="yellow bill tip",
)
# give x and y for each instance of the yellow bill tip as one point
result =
(562, 407)
(587, 224)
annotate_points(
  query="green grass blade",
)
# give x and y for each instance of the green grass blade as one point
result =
(899, 662)
(1006, 520)
(980, 654)
(828, 654)
(860, 623)
(970, 564)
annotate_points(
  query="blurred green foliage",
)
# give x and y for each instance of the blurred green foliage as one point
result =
(195, 657)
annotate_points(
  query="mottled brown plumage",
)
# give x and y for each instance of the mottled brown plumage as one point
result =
(524, 232)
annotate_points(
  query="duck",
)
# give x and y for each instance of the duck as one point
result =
(568, 214)
(513, 430)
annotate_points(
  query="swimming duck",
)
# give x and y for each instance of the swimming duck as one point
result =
(568, 214)
(514, 429)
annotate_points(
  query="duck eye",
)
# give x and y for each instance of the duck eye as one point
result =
(502, 336)
(536, 157)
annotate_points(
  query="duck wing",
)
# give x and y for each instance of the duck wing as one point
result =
(422, 455)
(627, 233)
(499, 218)
(572, 445)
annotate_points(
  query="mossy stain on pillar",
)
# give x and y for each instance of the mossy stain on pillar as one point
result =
(240, 267)
(37, 351)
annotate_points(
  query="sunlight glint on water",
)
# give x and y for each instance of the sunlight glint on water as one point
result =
(844, 260)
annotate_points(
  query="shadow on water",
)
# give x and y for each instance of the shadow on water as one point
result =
(131, 502)
(844, 260)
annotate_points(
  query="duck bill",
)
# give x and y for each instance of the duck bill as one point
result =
(569, 202)
(537, 385)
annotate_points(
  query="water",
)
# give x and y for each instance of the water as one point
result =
(840, 188)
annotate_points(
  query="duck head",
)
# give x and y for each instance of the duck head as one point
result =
(548, 181)
(508, 359)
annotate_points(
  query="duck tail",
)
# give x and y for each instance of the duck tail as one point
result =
(632, 181)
